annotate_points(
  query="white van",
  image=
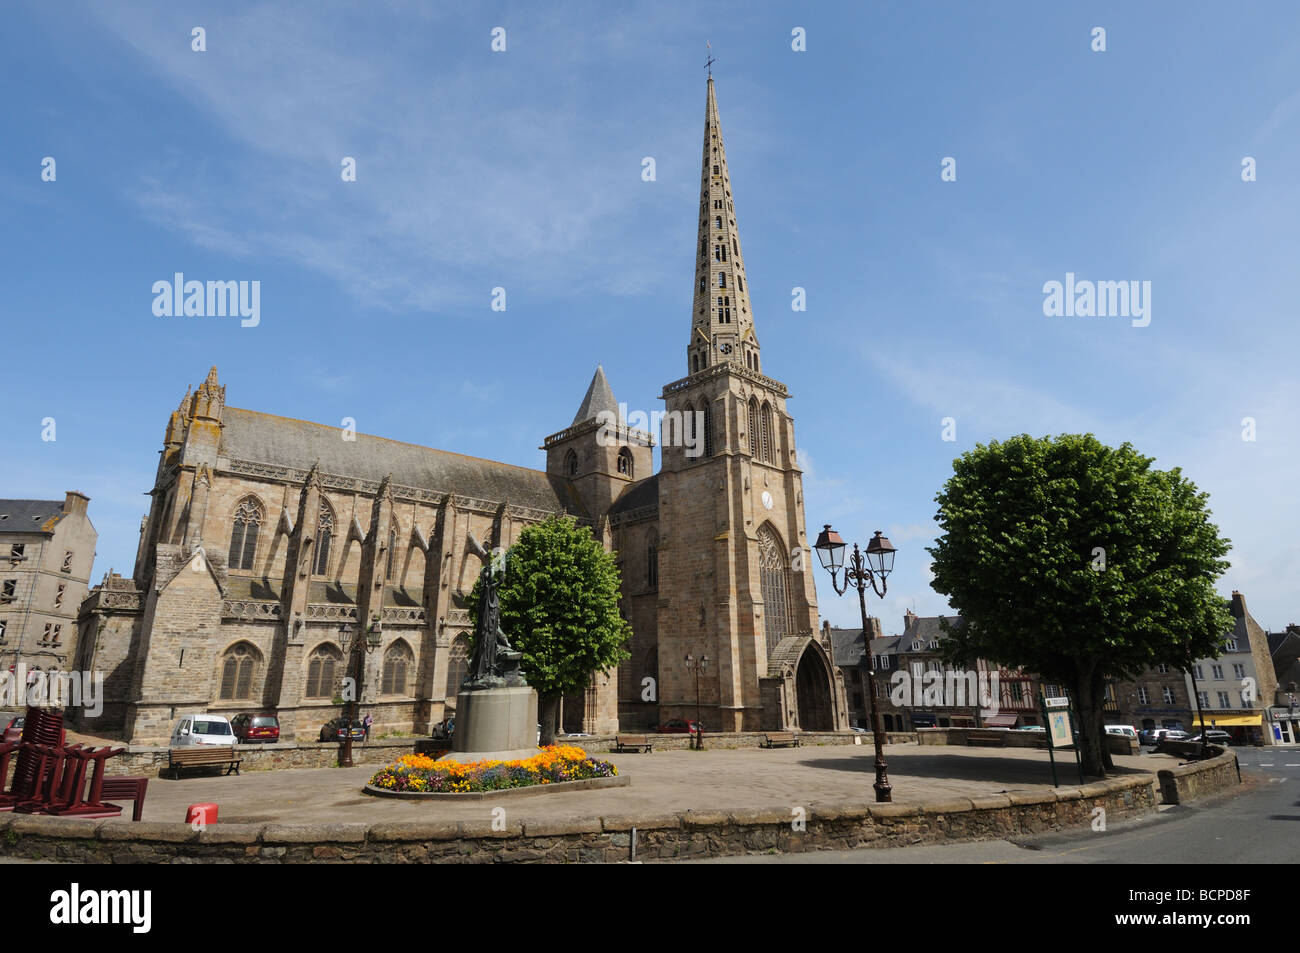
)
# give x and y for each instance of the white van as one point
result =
(1122, 730)
(202, 730)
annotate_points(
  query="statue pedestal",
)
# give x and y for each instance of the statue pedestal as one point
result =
(495, 723)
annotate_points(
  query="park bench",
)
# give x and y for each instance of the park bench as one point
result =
(988, 739)
(126, 789)
(773, 738)
(202, 756)
(636, 743)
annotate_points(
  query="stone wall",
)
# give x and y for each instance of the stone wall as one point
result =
(150, 762)
(1187, 782)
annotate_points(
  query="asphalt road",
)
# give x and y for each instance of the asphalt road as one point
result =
(1258, 825)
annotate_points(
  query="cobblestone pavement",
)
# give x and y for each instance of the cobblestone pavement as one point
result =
(665, 781)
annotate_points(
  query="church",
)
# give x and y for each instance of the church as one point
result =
(268, 538)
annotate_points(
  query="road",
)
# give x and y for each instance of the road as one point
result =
(1257, 825)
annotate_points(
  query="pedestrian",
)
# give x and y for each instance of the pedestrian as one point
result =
(366, 723)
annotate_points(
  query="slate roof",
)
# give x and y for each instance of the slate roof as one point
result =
(30, 516)
(846, 646)
(600, 397)
(926, 628)
(642, 493)
(282, 441)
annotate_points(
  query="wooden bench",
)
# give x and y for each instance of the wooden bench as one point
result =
(636, 743)
(988, 739)
(125, 789)
(773, 738)
(202, 756)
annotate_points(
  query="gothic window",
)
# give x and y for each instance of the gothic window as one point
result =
(717, 203)
(726, 309)
(753, 427)
(397, 663)
(765, 434)
(695, 363)
(740, 283)
(457, 663)
(735, 247)
(722, 279)
(688, 425)
(704, 282)
(243, 536)
(625, 462)
(324, 534)
(715, 172)
(708, 431)
(237, 671)
(652, 562)
(717, 222)
(323, 669)
(571, 463)
(772, 572)
(392, 547)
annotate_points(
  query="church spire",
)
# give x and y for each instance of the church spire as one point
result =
(722, 323)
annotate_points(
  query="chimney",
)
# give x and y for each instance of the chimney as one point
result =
(874, 629)
(74, 501)
(1238, 605)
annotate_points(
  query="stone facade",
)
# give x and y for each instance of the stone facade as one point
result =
(47, 548)
(266, 536)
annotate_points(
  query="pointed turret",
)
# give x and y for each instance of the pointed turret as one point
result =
(722, 323)
(600, 397)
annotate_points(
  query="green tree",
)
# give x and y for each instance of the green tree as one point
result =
(1079, 562)
(559, 607)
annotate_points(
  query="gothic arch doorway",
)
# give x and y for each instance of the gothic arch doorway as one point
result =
(813, 689)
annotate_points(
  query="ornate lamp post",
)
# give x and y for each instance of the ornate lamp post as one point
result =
(352, 649)
(698, 667)
(862, 569)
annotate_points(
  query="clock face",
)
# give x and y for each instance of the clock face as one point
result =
(726, 349)
(767, 500)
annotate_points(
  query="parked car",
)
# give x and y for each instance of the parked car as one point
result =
(1215, 736)
(252, 728)
(336, 729)
(202, 730)
(1151, 736)
(14, 730)
(1169, 734)
(444, 728)
(1128, 730)
(678, 726)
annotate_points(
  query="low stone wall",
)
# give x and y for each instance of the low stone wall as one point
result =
(1015, 738)
(151, 762)
(604, 744)
(1187, 782)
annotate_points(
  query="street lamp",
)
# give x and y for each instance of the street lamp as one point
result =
(351, 649)
(702, 665)
(877, 562)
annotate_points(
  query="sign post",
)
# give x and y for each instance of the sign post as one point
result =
(1058, 718)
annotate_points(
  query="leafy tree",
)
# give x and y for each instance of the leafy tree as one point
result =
(559, 607)
(1079, 562)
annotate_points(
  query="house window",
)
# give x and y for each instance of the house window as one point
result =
(1168, 695)
(1238, 671)
(1162, 669)
(58, 595)
(237, 672)
(1225, 700)
(16, 550)
(1143, 698)
(1052, 691)
(46, 637)
(4, 624)
(1203, 699)
(324, 534)
(397, 661)
(243, 535)
(1217, 672)
(67, 562)
(322, 669)
(58, 634)
(1244, 701)
(1230, 645)
(8, 590)
(1198, 671)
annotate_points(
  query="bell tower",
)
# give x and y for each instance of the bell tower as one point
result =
(735, 579)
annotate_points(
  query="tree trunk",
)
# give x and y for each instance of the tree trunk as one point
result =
(1088, 702)
(547, 711)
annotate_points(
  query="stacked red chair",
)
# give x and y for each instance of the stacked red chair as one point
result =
(43, 727)
(50, 775)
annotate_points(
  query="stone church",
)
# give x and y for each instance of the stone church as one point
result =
(267, 538)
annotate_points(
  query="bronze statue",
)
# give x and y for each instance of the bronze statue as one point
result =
(494, 661)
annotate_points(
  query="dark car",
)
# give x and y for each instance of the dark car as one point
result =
(14, 730)
(253, 728)
(678, 726)
(336, 729)
(1214, 736)
(444, 728)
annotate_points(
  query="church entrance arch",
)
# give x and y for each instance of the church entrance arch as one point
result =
(813, 688)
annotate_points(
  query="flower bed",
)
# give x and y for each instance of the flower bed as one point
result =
(420, 774)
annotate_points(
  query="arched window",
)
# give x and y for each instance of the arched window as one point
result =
(708, 431)
(717, 222)
(652, 561)
(734, 246)
(397, 664)
(324, 533)
(392, 548)
(625, 462)
(704, 282)
(688, 425)
(772, 572)
(457, 664)
(695, 363)
(571, 463)
(324, 669)
(753, 427)
(243, 535)
(237, 668)
(765, 433)
(722, 279)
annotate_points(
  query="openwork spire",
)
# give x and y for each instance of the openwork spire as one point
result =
(722, 323)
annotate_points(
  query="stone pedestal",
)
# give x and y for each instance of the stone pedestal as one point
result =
(495, 723)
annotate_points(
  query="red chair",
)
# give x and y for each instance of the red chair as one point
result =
(126, 789)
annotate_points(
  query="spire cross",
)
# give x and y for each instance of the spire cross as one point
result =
(708, 65)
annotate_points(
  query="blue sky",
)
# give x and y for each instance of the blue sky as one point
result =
(522, 169)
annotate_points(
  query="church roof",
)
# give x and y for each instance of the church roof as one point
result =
(600, 398)
(642, 493)
(282, 441)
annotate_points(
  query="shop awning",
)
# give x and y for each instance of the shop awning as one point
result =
(999, 721)
(1227, 721)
